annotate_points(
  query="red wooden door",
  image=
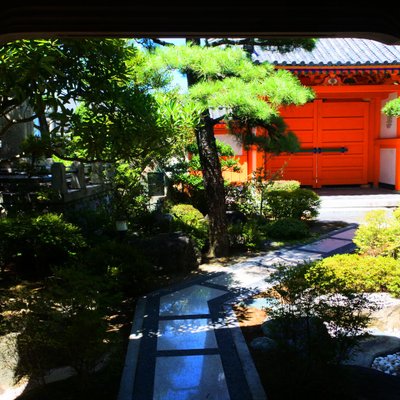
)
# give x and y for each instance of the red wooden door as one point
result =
(334, 143)
(342, 126)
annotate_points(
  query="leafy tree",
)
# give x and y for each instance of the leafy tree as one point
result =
(44, 78)
(250, 96)
(248, 44)
(88, 104)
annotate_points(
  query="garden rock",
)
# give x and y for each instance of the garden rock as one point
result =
(298, 333)
(174, 252)
(367, 349)
(386, 319)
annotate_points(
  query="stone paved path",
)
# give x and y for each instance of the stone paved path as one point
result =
(186, 342)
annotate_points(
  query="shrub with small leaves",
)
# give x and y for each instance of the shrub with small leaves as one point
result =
(35, 244)
(378, 235)
(250, 234)
(287, 185)
(190, 220)
(308, 291)
(244, 198)
(63, 322)
(356, 273)
(298, 203)
(288, 229)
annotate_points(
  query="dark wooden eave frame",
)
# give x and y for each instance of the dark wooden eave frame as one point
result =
(118, 18)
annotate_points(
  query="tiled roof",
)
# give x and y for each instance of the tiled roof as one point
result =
(335, 51)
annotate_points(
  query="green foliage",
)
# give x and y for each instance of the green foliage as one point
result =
(304, 295)
(356, 273)
(35, 244)
(94, 223)
(45, 75)
(297, 203)
(129, 195)
(123, 264)
(392, 108)
(285, 185)
(288, 229)
(61, 323)
(244, 198)
(378, 234)
(187, 172)
(250, 234)
(186, 178)
(188, 219)
(250, 94)
(123, 125)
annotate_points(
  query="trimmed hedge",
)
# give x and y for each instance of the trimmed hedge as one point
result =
(356, 273)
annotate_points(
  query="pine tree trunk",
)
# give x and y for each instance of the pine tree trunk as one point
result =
(214, 189)
(213, 180)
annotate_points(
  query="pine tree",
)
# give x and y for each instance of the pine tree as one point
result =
(249, 94)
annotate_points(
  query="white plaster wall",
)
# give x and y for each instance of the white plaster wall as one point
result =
(387, 172)
(388, 124)
(232, 141)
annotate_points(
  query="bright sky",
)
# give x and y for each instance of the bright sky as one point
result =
(179, 79)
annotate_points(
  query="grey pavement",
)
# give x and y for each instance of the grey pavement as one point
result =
(186, 342)
(351, 204)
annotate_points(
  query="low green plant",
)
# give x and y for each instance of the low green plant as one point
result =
(356, 273)
(190, 220)
(123, 264)
(298, 203)
(378, 234)
(286, 185)
(288, 229)
(306, 296)
(244, 198)
(33, 245)
(250, 234)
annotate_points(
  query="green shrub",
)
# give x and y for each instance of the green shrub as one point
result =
(356, 273)
(250, 234)
(244, 198)
(35, 244)
(288, 229)
(298, 203)
(123, 264)
(378, 235)
(93, 223)
(190, 220)
(288, 185)
(308, 291)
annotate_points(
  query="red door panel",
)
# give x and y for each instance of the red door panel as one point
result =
(324, 129)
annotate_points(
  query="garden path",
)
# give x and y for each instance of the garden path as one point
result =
(186, 342)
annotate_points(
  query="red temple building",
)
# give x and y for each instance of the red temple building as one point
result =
(345, 138)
